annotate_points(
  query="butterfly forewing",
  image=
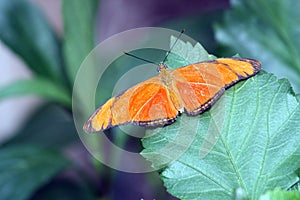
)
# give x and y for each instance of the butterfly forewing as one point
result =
(147, 103)
(240, 69)
(201, 84)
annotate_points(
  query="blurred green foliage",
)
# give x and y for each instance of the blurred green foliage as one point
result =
(267, 31)
(25, 168)
(50, 130)
(279, 194)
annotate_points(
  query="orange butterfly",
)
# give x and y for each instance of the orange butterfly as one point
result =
(159, 100)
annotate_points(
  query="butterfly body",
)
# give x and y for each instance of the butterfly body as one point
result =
(158, 101)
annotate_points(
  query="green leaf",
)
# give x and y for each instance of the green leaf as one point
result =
(279, 194)
(185, 53)
(26, 168)
(27, 33)
(37, 86)
(78, 17)
(66, 190)
(50, 126)
(257, 122)
(267, 31)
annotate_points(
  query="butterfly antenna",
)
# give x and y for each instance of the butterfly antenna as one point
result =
(148, 61)
(182, 31)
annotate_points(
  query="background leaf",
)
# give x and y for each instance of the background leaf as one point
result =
(26, 168)
(38, 86)
(50, 126)
(256, 151)
(66, 190)
(185, 53)
(25, 30)
(279, 194)
(267, 31)
(78, 19)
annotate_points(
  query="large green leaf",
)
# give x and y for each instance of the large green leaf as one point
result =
(268, 31)
(79, 25)
(37, 86)
(25, 30)
(24, 169)
(258, 125)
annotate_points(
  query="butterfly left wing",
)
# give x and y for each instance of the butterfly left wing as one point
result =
(201, 84)
(147, 104)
